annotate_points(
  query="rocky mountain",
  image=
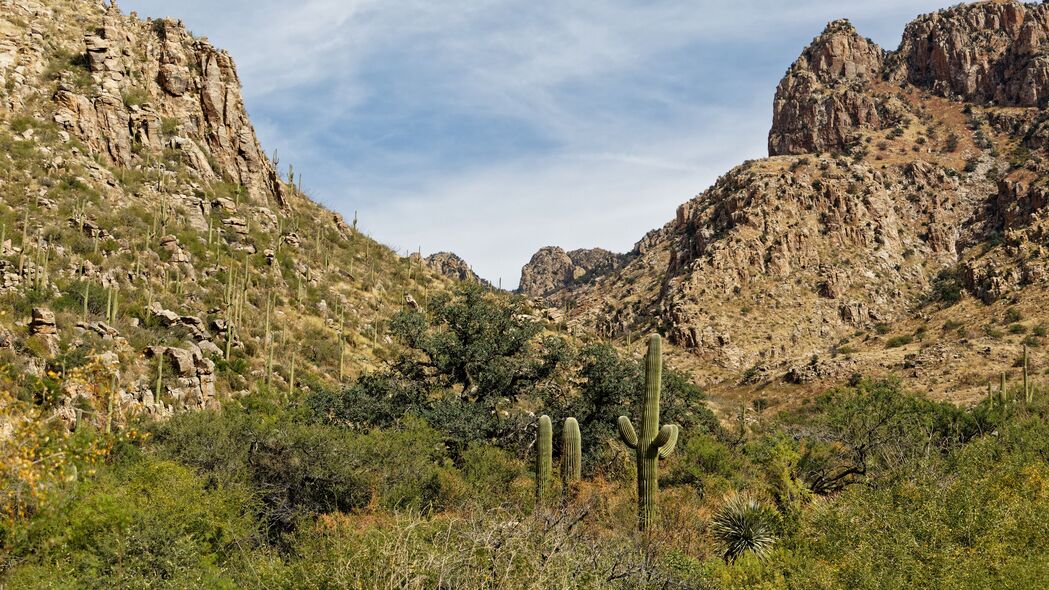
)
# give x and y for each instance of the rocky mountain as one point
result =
(147, 241)
(451, 265)
(898, 224)
(551, 269)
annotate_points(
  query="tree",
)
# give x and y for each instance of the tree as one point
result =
(477, 344)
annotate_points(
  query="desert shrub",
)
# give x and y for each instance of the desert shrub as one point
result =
(612, 386)
(1013, 315)
(946, 287)
(490, 472)
(743, 525)
(140, 523)
(298, 467)
(898, 341)
(911, 534)
(376, 400)
(707, 464)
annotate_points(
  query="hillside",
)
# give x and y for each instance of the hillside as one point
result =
(897, 226)
(148, 241)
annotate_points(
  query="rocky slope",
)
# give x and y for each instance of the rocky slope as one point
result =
(148, 243)
(897, 226)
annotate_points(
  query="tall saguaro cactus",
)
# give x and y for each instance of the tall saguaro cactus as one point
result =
(654, 443)
(571, 456)
(1027, 382)
(544, 457)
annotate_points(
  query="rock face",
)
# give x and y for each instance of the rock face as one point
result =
(552, 269)
(982, 52)
(825, 96)
(451, 265)
(139, 207)
(161, 89)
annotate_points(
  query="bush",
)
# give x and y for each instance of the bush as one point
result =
(742, 525)
(133, 526)
(946, 287)
(898, 341)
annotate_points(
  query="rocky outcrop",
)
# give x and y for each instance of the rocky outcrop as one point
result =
(155, 88)
(825, 96)
(552, 269)
(43, 322)
(451, 265)
(993, 51)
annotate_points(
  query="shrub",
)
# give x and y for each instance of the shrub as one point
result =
(946, 287)
(898, 341)
(132, 526)
(742, 525)
(1013, 315)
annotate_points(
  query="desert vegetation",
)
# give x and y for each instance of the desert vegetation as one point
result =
(427, 476)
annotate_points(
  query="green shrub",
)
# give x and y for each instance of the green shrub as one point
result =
(742, 525)
(134, 525)
(898, 341)
(946, 287)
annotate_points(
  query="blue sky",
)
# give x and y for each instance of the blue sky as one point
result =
(492, 128)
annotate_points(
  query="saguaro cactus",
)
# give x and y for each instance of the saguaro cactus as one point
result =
(654, 443)
(544, 457)
(1027, 382)
(571, 456)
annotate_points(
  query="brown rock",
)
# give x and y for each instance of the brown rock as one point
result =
(825, 98)
(43, 322)
(551, 269)
(451, 265)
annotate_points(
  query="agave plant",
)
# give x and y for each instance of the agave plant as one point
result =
(744, 525)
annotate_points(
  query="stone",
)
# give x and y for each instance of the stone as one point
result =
(182, 360)
(166, 317)
(825, 96)
(43, 322)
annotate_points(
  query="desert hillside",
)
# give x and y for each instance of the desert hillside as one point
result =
(897, 226)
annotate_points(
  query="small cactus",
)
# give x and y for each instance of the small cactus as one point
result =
(571, 456)
(544, 452)
(654, 443)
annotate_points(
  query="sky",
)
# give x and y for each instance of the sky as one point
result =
(492, 128)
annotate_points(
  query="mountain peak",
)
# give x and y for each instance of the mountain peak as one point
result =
(823, 98)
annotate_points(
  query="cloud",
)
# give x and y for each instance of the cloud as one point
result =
(494, 127)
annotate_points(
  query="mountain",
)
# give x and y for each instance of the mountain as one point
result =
(551, 269)
(897, 226)
(148, 238)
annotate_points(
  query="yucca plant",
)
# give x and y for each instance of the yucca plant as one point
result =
(743, 525)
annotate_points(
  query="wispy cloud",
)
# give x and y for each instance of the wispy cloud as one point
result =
(495, 127)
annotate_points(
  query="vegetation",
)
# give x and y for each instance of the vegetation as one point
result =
(867, 486)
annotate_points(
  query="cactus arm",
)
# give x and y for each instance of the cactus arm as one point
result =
(626, 432)
(667, 449)
(663, 436)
